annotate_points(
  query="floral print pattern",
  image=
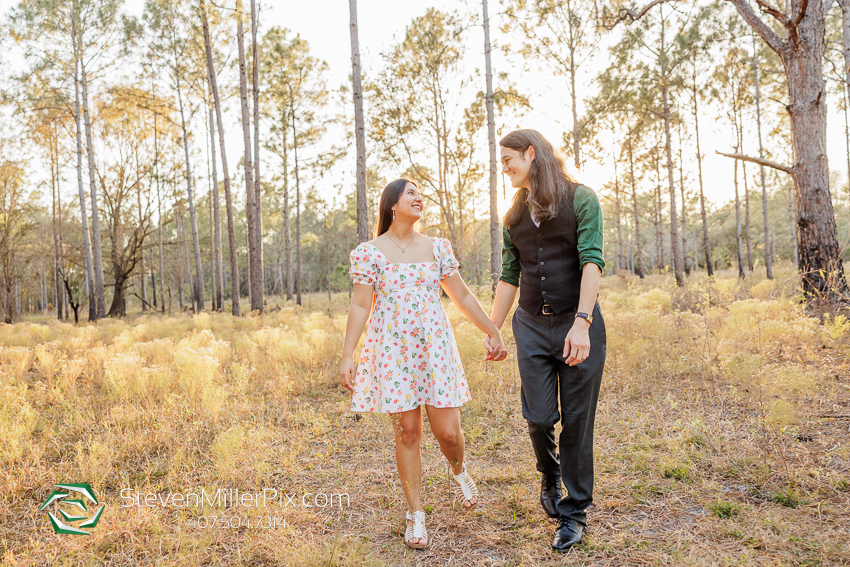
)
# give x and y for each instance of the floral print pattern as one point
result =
(409, 356)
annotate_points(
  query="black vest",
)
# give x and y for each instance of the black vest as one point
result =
(548, 256)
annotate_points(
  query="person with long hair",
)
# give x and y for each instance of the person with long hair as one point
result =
(552, 254)
(409, 358)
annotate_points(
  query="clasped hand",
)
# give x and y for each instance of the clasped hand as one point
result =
(495, 347)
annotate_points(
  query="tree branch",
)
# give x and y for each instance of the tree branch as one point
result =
(758, 161)
(632, 15)
(768, 8)
(775, 42)
(145, 301)
(804, 5)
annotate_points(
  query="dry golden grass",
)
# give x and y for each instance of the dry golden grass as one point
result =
(722, 438)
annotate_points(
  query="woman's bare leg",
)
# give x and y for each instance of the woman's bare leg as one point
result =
(445, 423)
(407, 426)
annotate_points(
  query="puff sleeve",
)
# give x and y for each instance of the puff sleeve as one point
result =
(363, 269)
(449, 265)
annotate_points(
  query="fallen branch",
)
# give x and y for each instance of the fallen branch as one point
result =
(759, 161)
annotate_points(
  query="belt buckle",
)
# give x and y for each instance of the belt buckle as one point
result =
(543, 310)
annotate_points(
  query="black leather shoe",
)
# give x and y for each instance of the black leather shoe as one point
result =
(567, 535)
(550, 494)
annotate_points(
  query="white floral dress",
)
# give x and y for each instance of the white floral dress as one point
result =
(409, 357)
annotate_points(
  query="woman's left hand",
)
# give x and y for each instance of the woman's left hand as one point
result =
(577, 343)
(495, 347)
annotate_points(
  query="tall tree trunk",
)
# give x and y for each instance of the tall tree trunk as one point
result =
(214, 283)
(54, 182)
(685, 263)
(210, 219)
(706, 244)
(181, 229)
(847, 133)
(99, 297)
(495, 248)
(768, 257)
(738, 231)
(297, 214)
(659, 235)
(231, 231)
(153, 289)
(159, 214)
(792, 207)
(619, 219)
(574, 99)
(199, 270)
(359, 131)
(143, 283)
(83, 217)
(747, 235)
(290, 284)
(674, 232)
(845, 41)
(260, 282)
(141, 251)
(247, 162)
(258, 199)
(802, 56)
(638, 263)
(217, 255)
(327, 255)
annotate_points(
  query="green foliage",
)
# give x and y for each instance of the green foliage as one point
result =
(724, 510)
(788, 498)
(678, 472)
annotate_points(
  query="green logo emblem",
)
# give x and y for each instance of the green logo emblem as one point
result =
(80, 511)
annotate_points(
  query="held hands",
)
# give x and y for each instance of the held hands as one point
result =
(577, 343)
(495, 347)
(346, 372)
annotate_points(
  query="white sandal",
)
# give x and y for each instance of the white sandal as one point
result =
(416, 531)
(465, 488)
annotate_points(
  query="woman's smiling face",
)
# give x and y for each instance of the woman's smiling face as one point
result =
(410, 203)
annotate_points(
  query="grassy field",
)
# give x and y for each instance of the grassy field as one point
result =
(722, 439)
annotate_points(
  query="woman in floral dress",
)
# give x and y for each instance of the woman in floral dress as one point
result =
(409, 357)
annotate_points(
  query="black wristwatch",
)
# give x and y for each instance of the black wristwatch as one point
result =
(587, 316)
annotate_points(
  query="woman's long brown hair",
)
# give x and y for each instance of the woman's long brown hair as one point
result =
(549, 184)
(389, 197)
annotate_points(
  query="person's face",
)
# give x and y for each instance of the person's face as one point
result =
(517, 165)
(410, 203)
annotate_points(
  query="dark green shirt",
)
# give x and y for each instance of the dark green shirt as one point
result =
(589, 233)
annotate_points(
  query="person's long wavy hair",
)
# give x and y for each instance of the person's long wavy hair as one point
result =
(550, 187)
(389, 197)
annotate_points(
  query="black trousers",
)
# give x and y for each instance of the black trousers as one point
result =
(546, 379)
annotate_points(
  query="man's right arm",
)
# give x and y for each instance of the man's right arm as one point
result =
(508, 281)
(502, 303)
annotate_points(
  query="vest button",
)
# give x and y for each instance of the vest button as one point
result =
(543, 278)
(541, 263)
(540, 249)
(539, 236)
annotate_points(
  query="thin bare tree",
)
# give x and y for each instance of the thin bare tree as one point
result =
(359, 127)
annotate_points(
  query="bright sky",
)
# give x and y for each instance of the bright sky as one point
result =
(380, 20)
(325, 25)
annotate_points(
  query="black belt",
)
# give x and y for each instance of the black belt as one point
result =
(546, 309)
